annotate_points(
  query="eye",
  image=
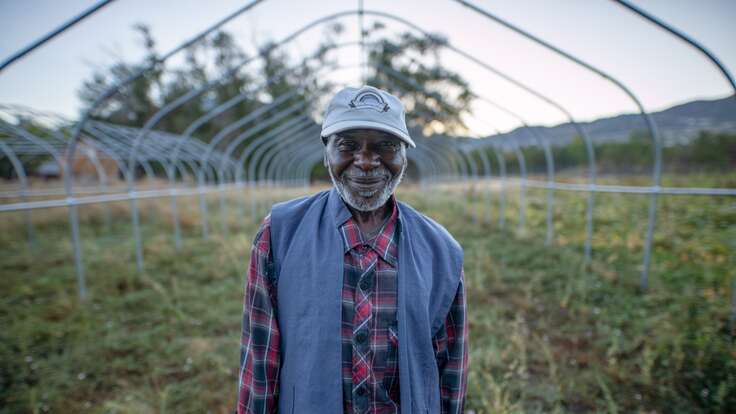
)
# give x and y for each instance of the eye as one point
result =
(347, 145)
(389, 146)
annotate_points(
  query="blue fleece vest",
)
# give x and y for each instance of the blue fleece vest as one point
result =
(308, 267)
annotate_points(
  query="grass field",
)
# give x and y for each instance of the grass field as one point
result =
(547, 334)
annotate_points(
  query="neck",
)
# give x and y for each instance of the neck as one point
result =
(369, 221)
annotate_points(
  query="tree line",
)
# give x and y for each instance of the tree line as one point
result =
(438, 98)
(709, 152)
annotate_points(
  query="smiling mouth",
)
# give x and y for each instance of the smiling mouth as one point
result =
(366, 186)
(367, 181)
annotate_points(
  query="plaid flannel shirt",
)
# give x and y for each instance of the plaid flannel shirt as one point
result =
(369, 318)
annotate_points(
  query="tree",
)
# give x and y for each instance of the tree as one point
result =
(435, 97)
(215, 58)
(136, 101)
(215, 61)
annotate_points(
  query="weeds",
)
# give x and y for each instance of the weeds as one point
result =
(547, 333)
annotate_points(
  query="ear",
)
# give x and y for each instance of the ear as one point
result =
(324, 159)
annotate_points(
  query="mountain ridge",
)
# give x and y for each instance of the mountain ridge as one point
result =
(677, 124)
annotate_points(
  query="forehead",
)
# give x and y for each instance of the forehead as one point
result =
(368, 134)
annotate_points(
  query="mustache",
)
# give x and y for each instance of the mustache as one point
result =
(380, 172)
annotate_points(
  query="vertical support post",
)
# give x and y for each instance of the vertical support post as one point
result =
(74, 221)
(223, 209)
(651, 220)
(591, 199)
(136, 231)
(174, 209)
(502, 194)
(656, 179)
(91, 155)
(550, 190)
(522, 191)
(102, 175)
(487, 195)
(28, 221)
(135, 216)
(202, 202)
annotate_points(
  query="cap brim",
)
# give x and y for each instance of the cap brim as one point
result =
(341, 126)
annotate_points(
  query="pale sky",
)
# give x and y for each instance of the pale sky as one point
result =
(661, 70)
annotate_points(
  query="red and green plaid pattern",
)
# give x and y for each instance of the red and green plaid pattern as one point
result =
(370, 376)
(369, 329)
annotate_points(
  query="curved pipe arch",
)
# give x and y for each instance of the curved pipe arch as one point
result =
(549, 159)
(235, 142)
(685, 38)
(116, 87)
(649, 121)
(223, 107)
(113, 89)
(270, 155)
(288, 127)
(55, 136)
(279, 166)
(100, 135)
(258, 148)
(482, 147)
(446, 167)
(252, 116)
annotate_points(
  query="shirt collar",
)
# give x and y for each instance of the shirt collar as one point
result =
(384, 243)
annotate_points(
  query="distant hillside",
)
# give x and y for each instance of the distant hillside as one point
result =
(679, 124)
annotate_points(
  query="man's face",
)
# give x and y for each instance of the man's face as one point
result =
(366, 166)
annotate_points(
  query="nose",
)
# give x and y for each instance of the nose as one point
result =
(365, 159)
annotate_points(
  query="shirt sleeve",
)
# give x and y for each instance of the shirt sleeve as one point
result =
(451, 351)
(260, 341)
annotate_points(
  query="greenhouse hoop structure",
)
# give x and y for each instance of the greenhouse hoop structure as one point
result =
(257, 151)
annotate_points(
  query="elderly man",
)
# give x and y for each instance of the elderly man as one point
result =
(355, 302)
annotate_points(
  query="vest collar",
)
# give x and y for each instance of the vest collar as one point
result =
(337, 208)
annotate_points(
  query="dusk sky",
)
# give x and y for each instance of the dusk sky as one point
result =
(661, 70)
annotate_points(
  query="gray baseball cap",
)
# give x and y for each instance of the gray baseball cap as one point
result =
(366, 108)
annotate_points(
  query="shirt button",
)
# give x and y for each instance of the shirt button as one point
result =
(361, 337)
(361, 391)
(365, 284)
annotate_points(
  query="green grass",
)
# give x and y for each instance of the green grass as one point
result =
(547, 334)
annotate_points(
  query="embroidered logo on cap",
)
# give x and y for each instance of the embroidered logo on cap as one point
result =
(370, 100)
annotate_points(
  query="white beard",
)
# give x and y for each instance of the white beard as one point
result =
(367, 200)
